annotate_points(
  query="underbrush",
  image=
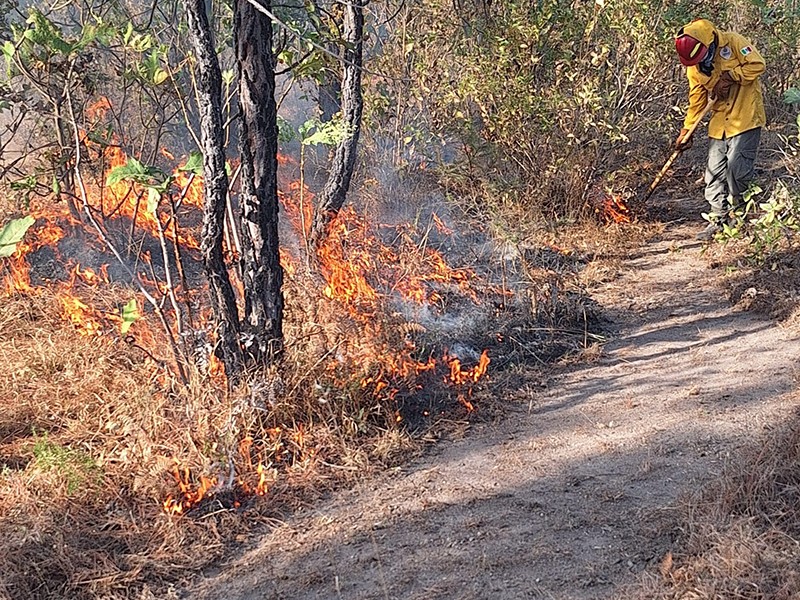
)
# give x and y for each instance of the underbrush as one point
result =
(741, 536)
(118, 481)
(100, 445)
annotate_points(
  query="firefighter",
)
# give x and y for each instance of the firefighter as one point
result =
(723, 66)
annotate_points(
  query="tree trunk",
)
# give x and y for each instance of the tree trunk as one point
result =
(329, 88)
(334, 193)
(215, 186)
(329, 91)
(258, 148)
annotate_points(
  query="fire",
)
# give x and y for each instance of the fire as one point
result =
(466, 378)
(261, 486)
(18, 276)
(614, 210)
(88, 275)
(45, 233)
(365, 267)
(459, 376)
(81, 315)
(191, 494)
(97, 111)
(352, 254)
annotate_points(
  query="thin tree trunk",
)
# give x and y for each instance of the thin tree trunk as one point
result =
(215, 186)
(258, 148)
(331, 199)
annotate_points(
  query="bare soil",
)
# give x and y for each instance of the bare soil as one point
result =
(580, 488)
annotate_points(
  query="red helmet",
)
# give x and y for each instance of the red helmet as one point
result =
(693, 40)
(690, 50)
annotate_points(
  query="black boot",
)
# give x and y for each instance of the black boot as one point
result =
(709, 232)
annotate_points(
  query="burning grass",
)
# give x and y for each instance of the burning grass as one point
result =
(138, 481)
(138, 472)
(101, 454)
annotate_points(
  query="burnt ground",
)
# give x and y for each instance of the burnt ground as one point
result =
(580, 488)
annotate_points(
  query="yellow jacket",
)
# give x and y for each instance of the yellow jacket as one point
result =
(743, 110)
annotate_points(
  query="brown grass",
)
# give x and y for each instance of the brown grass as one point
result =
(91, 428)
(740, 537)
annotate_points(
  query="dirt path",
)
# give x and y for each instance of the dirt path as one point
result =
(577, 491)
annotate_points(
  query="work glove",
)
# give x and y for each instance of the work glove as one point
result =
(723, 87)
(681, 143)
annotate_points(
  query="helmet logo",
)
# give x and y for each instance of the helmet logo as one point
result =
(695, 50)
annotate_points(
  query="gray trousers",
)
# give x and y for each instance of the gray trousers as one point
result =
(729, 171)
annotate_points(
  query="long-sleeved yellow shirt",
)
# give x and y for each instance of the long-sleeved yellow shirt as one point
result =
(743, 110)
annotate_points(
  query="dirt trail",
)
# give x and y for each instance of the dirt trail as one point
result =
(578, 490)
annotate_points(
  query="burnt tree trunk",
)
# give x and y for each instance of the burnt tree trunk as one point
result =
(334, 193)
(258, 148)
(215, 186)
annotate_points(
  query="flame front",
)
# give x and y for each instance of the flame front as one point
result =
(191, 494)
(614, 209)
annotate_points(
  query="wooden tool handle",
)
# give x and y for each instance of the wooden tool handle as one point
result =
(679, 150)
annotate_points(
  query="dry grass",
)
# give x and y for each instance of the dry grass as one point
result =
(740, 539)
(92, 428)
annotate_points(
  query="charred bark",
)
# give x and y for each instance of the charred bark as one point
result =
(209, 87)
(329, 92)
(258, 148)
(331, 199)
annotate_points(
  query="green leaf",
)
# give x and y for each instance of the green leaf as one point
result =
(126, 37)
(194, 164)
(792, 96)
(46, 34)
(56, 186)
(9, 50)
(130, 314)
(9, 59)
(136, 172)
(286, 132)
(160, 76)
(12, 234)
(333, 132)
(153, 198)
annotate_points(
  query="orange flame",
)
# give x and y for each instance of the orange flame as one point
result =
(459, 376)
(614, 209)
(467, 378)
(80, 314)
(190, 494)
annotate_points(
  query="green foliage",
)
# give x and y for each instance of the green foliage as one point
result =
(286, 132)
(130, 314)
(541, 95)
(194, 163)
(136, 172)
(74, 467)
(769, 225)
(792, 96)
(315, 132)
(26, 187)
(13, 233)
(43, 39)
